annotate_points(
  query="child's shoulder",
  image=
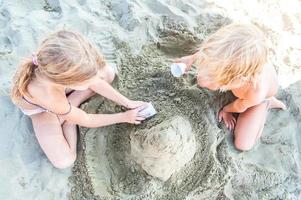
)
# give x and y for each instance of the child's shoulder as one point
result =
(250, 92)
(40, 95)
(255, 92)
(261, 88)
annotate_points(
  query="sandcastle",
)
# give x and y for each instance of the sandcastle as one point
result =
(165, 148)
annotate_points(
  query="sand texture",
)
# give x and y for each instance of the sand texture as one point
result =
(130, 162)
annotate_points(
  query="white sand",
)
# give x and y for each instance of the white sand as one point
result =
(25, 172)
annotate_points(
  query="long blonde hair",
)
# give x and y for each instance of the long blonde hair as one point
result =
(236, 52)
(65, 57)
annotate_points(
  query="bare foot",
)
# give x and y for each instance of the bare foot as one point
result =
(275, 103)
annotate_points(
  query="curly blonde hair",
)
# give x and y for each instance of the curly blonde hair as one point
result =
(64, 57)
(236, 52)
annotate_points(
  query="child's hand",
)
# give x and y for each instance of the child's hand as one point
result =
(135, 104)
(188, 60)
(132, 116)
(228, 119)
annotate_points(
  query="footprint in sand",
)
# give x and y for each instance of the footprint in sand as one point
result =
(6, 46)
(4, 18)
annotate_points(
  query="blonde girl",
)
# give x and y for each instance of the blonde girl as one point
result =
(49, 87)
(235, 58)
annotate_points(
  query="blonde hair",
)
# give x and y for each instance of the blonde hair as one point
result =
(236, 52)
(65, 57)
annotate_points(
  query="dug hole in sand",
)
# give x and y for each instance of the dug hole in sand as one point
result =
(128, 161)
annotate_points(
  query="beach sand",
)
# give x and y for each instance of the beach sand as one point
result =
(141, 39)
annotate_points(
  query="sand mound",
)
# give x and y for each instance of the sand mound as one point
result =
(164, 148)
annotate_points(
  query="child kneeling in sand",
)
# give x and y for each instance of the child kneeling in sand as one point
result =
(66, 61)
(235, 58)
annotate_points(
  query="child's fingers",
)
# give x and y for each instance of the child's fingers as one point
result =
(141, 107)
(140, 118)
(219, 117)
(187, 69)
(229, 126)
(177, 60)
(234, 119)
(232, 125)
(137, 122)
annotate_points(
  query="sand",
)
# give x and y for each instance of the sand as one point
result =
(25, 171)
(141, 38)
(165, 148)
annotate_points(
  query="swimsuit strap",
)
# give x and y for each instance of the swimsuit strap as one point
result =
(33, 103)
(69, 110)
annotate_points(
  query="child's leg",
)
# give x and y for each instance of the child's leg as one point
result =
(78, 97)
(275, 103)
(57, 138)
(249, 126)
(49, 133)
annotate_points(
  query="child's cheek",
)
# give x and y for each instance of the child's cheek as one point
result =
(206, 83)
(202, 81)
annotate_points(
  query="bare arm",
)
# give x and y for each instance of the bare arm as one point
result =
(252, 97)
(241, 105)
(188, 60)
(105, 89)
(80, 117)
(237, 106)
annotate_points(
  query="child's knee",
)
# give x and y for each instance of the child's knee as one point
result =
(110, 74)
(243, 146)
(65, 162)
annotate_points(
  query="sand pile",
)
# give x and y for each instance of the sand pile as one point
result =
(165, 148)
